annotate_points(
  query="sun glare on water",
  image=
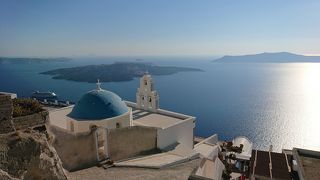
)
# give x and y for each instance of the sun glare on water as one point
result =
(311, 92)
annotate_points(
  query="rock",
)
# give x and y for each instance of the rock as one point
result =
(27, 155)
(5, 176)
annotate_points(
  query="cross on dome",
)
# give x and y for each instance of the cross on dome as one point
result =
(98, 85)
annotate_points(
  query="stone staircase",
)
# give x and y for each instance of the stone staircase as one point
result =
(106, 163)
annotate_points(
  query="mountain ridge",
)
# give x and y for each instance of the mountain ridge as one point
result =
(268, 57)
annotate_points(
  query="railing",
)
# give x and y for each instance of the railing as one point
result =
(51, 102)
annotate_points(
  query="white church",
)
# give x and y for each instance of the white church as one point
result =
(106, 109)
(109, 112)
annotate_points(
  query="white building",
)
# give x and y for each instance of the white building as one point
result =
(246, 150)
(97, 107)
(147, 97)
(106, 109)
(12, 95)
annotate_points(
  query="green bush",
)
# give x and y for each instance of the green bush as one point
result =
(23, 107)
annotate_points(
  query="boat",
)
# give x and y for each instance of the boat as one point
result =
(48, 95)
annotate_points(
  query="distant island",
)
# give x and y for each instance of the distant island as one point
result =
(4, 60)
(116, 72)
(279, 57)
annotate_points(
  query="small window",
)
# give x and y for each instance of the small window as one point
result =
(118, 125)
(150, 99)
(93, 126)
(145, 83)
(142, 97)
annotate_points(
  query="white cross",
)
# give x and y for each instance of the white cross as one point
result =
(98, 84)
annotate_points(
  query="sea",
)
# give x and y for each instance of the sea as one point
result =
(274, 104)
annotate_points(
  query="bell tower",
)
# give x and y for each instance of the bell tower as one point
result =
(147, 97)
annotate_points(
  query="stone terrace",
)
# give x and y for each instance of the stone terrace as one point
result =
(181, 171)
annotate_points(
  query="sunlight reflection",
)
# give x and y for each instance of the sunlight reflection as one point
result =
(311, 90)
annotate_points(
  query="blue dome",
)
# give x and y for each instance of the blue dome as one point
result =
(98, 104)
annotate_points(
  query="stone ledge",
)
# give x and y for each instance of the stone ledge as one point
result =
(32, 120)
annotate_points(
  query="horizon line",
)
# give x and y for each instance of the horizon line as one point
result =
(149, 55)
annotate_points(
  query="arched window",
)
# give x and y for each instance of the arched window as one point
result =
(118, 125)
(145, 82)
(142, 101)
(150, 99)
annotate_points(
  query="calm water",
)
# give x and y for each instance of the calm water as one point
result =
(276, 104)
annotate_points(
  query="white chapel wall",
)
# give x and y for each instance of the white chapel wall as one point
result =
(179, 133)
(110, 123)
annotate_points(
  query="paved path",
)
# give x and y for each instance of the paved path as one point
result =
(181, 171)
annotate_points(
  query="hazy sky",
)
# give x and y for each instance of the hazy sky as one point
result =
(162, 27)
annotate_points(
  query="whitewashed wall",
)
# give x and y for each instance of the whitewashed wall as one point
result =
(181, 133)
(58, 117)
(110, 123)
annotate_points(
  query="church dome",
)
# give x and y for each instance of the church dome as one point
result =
(98, 104)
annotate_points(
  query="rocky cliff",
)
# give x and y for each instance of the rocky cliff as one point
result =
(27, 155)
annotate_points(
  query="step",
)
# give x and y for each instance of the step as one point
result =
(106, 166)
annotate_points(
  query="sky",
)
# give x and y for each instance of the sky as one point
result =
(155, 28)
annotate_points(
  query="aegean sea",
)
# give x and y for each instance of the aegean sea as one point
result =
(270, 103)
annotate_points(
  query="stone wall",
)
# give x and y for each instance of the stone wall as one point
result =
(33, 120)
(131, 141)
(76, 150)
(9, 124)
(5, 114)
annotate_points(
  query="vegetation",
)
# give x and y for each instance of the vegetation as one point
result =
(236, 149)
(23, 107)
(229, 147)
(226, 174)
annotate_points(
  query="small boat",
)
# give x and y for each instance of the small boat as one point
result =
(48, 95)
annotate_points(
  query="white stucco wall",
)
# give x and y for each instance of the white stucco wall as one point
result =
(12, 95)
(179, 133)
(182, 132)
(58, 117)
(109, 123)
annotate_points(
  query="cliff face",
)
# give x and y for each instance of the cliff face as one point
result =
(27, 155)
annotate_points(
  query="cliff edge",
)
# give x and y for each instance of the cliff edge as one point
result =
(27, 155)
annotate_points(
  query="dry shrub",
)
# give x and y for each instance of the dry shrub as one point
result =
(23, 107)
